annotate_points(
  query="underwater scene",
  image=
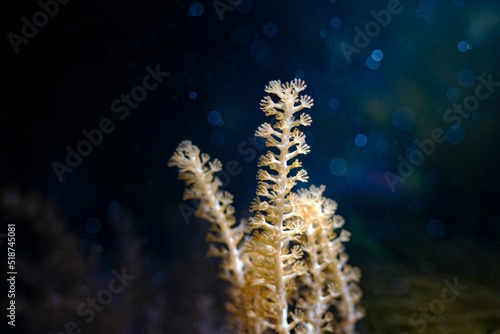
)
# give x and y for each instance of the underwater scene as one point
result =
(257, 167)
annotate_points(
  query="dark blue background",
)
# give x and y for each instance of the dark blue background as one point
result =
(64, 79)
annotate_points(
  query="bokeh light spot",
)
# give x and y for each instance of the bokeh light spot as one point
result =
(338, 166)
(115, 210)
(400, 286)
(426, 10)
(466, 78)
(455, 135)
(333, 103)
(452, 94)
(463, 46)
(214, 117)
(196, 9)
(98, 248)
(377, 55)
(404, 118)
(435, 228)
(270, 29)
(372, 63)
(361, 140)
(92, 226)
(335, 22)
(259, 49)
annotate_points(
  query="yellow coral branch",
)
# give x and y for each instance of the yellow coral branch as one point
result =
(292, 274)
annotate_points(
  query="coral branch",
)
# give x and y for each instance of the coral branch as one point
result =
(291, 274)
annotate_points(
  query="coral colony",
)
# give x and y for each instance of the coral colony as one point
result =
(286, 265)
